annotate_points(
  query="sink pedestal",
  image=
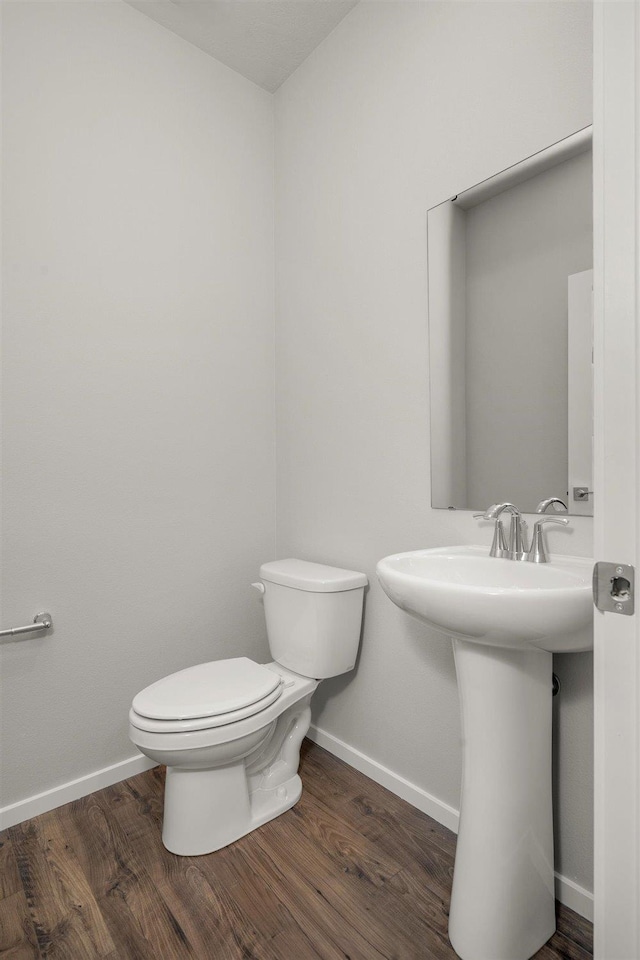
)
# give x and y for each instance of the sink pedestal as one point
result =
(503, 902)
(506, 618)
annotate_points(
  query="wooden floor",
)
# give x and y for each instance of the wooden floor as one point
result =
(351, 872)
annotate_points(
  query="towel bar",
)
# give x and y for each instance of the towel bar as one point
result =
(41, 621)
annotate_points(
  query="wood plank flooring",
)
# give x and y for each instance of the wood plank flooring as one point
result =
(350, 873)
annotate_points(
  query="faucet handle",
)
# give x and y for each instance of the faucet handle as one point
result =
(537, 553)
(499, 543)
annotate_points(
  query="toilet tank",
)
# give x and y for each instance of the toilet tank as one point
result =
(314, 616)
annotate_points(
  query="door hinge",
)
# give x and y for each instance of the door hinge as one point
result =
(613, 587)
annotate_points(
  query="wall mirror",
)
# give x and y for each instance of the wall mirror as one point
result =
(510, 335)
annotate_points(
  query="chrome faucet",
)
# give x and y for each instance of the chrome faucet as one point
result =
(538, 553)
(516, 548)
(544, 505)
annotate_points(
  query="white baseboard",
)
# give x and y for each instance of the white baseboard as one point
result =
(567, 891)
(416, 796)
(73, 790)
(574, 896)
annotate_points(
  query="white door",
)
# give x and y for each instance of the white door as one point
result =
(616, 474)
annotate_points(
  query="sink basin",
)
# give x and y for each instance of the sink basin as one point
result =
(506, 618)
(463, 592)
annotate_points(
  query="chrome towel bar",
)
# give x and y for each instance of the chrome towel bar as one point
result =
(41, 621)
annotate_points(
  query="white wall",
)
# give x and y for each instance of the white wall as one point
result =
(403, 105)
(138, 387)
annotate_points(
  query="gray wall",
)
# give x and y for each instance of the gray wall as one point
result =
(404, 104)
(138, 373)
(521, 246)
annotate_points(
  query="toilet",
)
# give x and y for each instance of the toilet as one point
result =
(229, 731)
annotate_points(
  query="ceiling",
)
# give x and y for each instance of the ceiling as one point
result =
(264, 40)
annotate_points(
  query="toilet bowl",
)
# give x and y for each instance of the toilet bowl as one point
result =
(229, 731)
(226, 779)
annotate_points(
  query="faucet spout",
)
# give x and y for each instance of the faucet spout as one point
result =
(516, 548)
(517, 541)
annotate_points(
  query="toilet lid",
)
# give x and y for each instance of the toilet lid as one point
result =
(207, 690)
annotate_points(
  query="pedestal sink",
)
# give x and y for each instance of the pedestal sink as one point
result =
(506, 618)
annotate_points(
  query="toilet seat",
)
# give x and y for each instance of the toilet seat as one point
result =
(172, 736)
(208, 695)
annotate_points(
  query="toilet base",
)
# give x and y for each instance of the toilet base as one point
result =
(206, 810)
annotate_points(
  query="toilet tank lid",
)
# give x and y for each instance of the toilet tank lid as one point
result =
(314, 577)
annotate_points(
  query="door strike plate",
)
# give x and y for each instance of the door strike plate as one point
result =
(613, 587)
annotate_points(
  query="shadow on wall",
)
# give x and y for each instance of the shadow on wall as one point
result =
(572, 749)
(433, 648)
(333, 686)
(327, 691)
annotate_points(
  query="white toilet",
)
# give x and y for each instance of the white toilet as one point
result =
(230, 731)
